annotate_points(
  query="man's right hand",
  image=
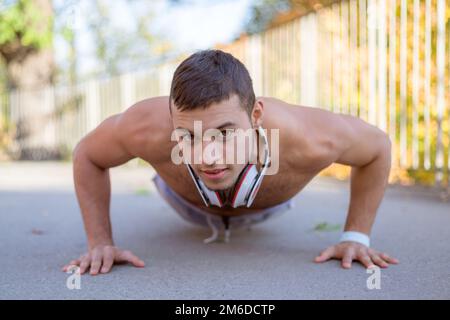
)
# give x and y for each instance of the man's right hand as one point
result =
(101, 258)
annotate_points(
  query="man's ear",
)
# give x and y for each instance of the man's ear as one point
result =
(257, 114)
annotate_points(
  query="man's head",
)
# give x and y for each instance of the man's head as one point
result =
(215, 88)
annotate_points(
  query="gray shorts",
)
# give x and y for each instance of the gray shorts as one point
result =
(198, 216)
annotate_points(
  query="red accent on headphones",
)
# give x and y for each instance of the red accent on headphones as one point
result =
(219, 198)
(242, 179)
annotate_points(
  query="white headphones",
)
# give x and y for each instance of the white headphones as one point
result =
(246, 187)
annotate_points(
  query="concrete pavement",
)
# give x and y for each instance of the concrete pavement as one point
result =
(41, 230)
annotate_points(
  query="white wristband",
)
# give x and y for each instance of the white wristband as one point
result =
(356, 237)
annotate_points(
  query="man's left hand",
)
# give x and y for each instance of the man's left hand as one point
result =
(348, 251)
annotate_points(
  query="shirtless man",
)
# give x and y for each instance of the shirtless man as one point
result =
(215, 88)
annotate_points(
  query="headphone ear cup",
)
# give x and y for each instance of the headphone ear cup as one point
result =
(244, 185)
(253, 192)
(213, 196)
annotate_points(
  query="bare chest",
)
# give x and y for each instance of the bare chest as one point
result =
(274, 189)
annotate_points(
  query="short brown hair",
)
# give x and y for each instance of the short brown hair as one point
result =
(211, 76)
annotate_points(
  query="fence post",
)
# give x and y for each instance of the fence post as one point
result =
(427, 84)
(308, 56)
(127, 90)
(353, 49)
(415, 86)
(440, 102)
(382, 47)
(403, 83)
(363, 80)
(92, 105)
(393, 79)
(372, 60)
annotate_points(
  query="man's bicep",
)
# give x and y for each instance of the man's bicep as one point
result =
(103, 146)
(359, 142)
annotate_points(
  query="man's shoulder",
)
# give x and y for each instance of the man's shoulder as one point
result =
(145, 124)
(287, 118)
(150, 107)
(306, 133)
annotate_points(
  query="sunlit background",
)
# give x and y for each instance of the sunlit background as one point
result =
(67, 65)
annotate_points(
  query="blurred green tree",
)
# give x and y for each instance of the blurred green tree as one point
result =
(26, 56)
(26, 31)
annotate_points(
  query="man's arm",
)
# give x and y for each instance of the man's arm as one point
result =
(369, 154)
(100, 150)
(350, 141)
(115, 141)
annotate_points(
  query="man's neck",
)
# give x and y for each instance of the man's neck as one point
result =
(227, 194)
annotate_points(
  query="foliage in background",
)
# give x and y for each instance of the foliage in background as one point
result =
(118, 51)
(26, 34)
(267, 13)
(283, 80)
(22, 23)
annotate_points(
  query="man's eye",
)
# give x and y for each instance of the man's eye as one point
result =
(187, 137)
(227, 133)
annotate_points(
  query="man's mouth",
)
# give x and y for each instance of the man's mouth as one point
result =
(214, 174)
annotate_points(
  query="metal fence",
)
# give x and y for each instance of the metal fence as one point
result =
(65, 114)
(386, 61)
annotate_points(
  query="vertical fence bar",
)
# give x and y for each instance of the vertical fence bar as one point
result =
(403, 83)
(287, 78)
(353, 49)
(415, 86)
(392, 74)
(127, 90)
(266, 75)
(257, 62)
(288, 61)
(275, 44)
(362, 6)
(269, 64)
(321, 60)
(297, 58)
(268, 54)
(440, 74)
(328, 21)
(336, 60)
(305, 56)
(334, 69)
(345, 80)
(294, 62)
(329, 59)
(312, 70)
(92, 102)
(447, 106)
(339, 58)
(382, 45)
(278, 44)
(372, 59)
(427, 86)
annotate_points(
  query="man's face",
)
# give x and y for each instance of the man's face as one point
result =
(214, 168)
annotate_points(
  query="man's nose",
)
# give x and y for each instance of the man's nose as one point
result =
(211, 153)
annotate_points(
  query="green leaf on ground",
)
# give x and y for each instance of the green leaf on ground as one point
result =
(326, 227)
(142, 192)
